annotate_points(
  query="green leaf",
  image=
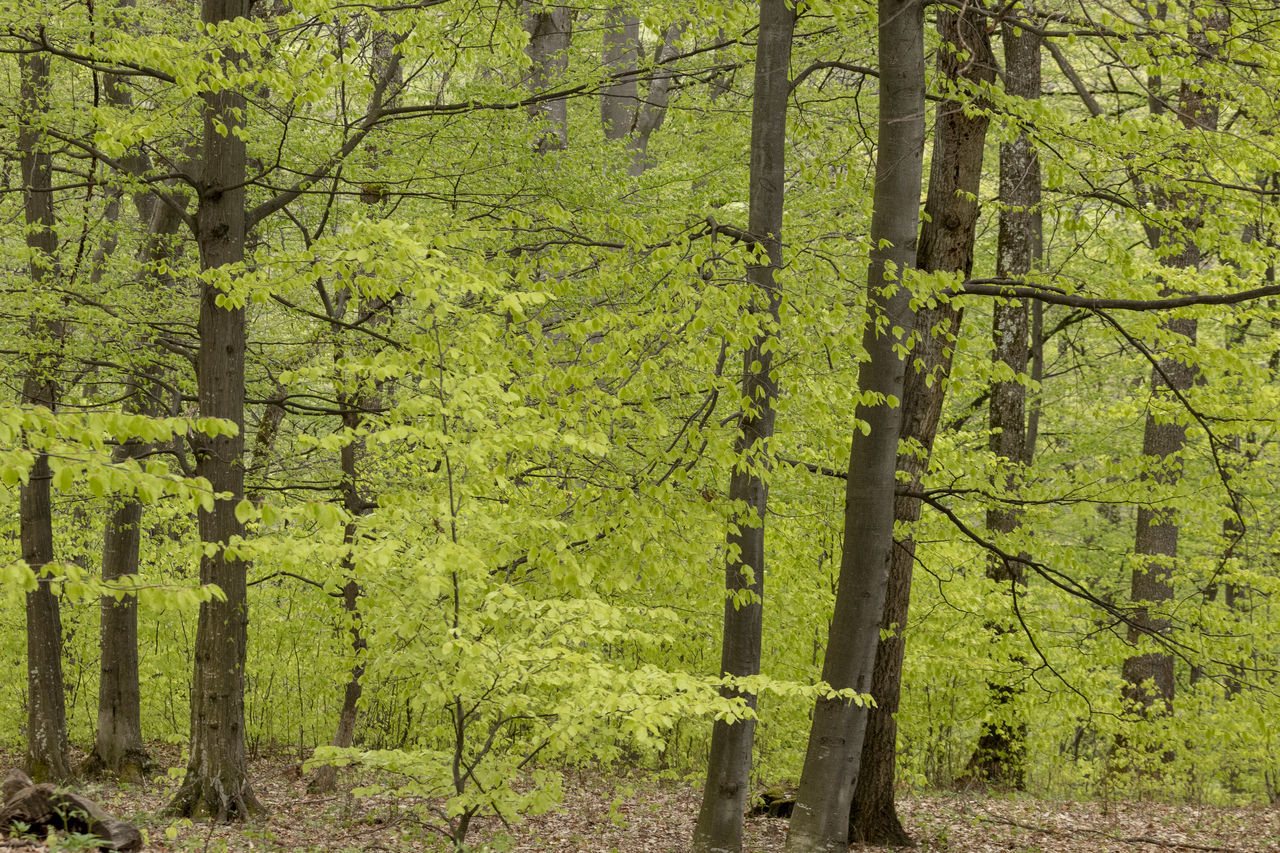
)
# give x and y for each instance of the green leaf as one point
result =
(64, 479)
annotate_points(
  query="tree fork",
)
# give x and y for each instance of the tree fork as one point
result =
(946, 245)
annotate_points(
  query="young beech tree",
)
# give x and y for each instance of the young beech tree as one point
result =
(354, 405)
(821, 818)
(356, 398)
(724, 797)
(965, 64)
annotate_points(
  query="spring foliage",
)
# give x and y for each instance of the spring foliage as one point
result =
(543, 352)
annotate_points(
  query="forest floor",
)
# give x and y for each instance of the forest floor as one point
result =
(645, 814)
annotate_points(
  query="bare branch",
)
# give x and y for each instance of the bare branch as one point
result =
(1012, 289)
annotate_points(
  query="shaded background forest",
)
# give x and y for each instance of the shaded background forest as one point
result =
(488, 275)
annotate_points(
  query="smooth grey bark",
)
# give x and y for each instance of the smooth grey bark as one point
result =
(46, 756)
(549, 29)
(217, 782)
(653, 110)
(946, 245)
(1000, 755)
(821, 818)
(724, 797)
(620, 99)
(1149, 677)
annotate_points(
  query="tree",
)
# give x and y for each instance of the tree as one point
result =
(724, 796)
(1149, 676)
(46, 711)
(821, 817)
(356, 503)
(650, 113)
(217, 783)
(118, 744)
(550, 32)
(1000, 756)
(620, 99)
(355, 400)
(966, 63)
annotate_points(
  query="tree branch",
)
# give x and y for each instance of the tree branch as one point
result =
(1011, 289)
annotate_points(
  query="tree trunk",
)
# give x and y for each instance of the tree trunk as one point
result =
(217, 783)
(355, 503)
(724, 797)
(118, 746)
(46, 757)
(946, 245)
(548, 51)
(821, 818)
(651, 113)
(326, 776)
(1000, 756)
(621, 98)
(1149, 677)
(385, 66)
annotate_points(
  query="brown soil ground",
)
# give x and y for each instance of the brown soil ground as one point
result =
(644, 814)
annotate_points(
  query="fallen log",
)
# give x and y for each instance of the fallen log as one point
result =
(34, 809)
